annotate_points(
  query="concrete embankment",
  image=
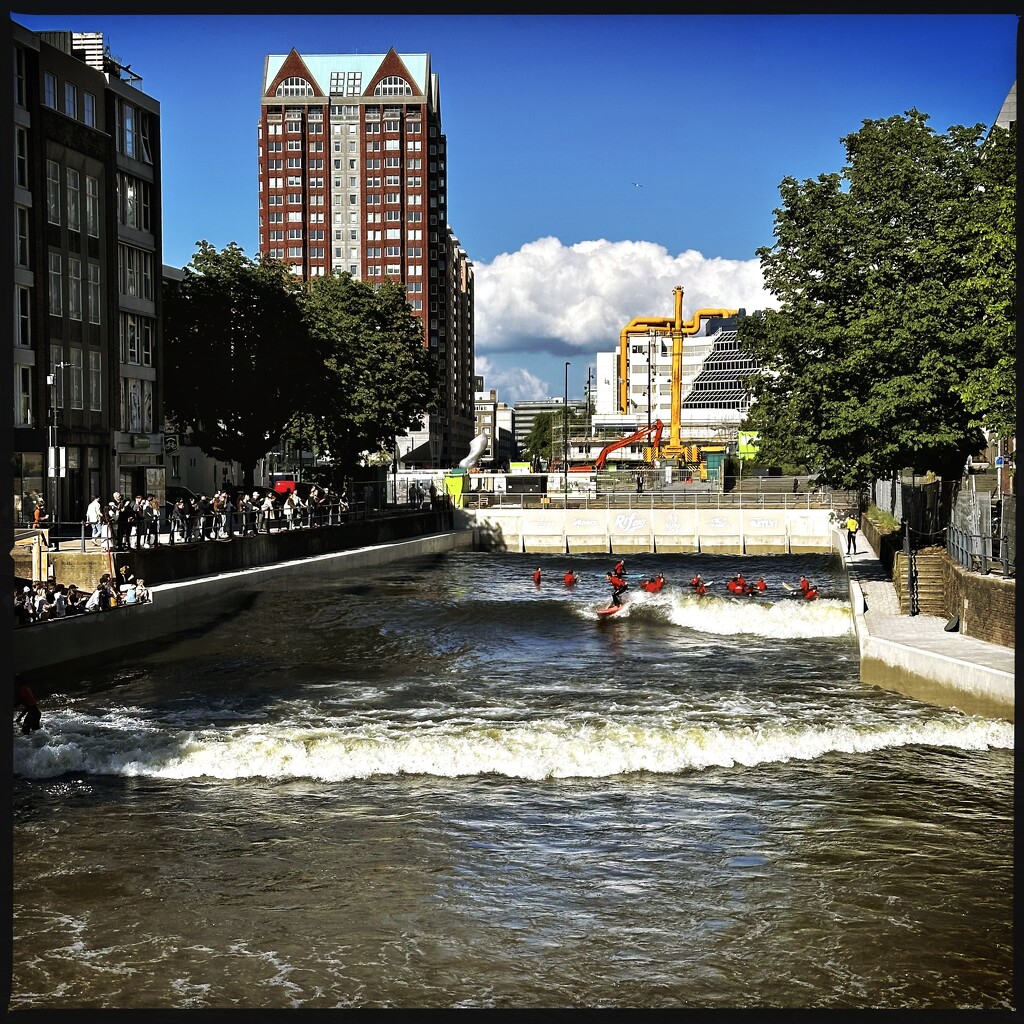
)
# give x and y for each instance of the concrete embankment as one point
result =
(917, 655)
(186, 605)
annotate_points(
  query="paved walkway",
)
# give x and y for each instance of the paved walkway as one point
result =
(927, 633)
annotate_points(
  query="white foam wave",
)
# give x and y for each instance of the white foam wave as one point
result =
(668, 743)
(787, 618)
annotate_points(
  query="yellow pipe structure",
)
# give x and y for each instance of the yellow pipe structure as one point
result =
(677, 328)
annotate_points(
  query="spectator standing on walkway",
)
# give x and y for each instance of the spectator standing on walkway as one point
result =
(266, 512)
(204, 514)
(94, 516)
(139, 510)
(852, 526)
(125, 519)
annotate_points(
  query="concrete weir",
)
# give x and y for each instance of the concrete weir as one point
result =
(732, 531)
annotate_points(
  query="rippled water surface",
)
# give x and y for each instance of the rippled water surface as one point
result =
(440, 786)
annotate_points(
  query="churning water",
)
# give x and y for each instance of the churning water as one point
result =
(441, 786)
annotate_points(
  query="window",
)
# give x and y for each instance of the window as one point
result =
(74, 288)
(295, 234)
(71, 100)
(393, 86)
(275, 147)
(295, 163)
(126, 128)
(94, 293)
(21, 157)
(50, 89)
(23, 411)
(92, 206)
(53, 191)
(135, 270)
(76, 379)
(392, 144)
(21, 238)
(74, 201)
(293, 126)
(19, 76)
(391, 126)
(146, 151)
(89, 109)
(133, 201)
(294, 87)
(294, 145)
(136, 339)
(96, 381)
(23, 317)
(56, 272)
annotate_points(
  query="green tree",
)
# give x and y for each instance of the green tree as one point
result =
(238, 356)
(537, 443)
(880, 313)
(378, 377)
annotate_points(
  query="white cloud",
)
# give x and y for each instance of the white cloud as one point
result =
(512, 384)
(555, 299)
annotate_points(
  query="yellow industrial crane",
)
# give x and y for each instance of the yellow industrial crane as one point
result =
(677, 328)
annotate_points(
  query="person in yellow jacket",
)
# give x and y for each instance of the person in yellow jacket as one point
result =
(852, 526)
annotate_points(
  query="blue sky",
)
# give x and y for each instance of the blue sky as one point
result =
(550, 120)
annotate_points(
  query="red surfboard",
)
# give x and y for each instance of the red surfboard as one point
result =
(610, 610)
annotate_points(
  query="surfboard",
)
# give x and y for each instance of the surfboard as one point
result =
(788, 586)
(610, 610)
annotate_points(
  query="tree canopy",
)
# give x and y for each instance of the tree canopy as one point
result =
(893, 341)
(237, 353)
(378, 378)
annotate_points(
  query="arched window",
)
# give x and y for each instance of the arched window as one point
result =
(294, 87)
(393, 86)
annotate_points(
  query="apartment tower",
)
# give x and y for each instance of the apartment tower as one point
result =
(353, 177)
(87, 273)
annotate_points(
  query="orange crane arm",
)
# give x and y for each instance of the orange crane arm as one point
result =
(655, 428)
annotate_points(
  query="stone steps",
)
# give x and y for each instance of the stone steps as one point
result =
(930, 583)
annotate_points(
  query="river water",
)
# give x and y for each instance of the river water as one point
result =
(441, 786)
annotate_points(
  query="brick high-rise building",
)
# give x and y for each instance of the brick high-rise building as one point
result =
(353, 177)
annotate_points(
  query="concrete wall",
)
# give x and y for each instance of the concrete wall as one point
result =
(986, 605)
(630, 531)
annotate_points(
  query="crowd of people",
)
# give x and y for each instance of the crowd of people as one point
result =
(46, 599)
(123, 523)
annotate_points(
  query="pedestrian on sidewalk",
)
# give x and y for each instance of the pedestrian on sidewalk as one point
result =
(852, 526)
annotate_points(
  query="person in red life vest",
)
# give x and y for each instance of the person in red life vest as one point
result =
(653, 586)
(696, 581)
(811, 593)
(25, 699)
(735, 585)
(536, 576)
(619, 585)
(700, 589)
(761, 585)
(804, 584)
(571, 579)
(619, 568)
(741, 580)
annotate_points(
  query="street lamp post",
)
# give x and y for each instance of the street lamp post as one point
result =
(565, 435)
(57, 460)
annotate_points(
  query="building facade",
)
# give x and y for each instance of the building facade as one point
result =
(353, 177)
(87, 292)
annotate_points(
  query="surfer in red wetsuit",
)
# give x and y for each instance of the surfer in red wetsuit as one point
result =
(536, 577)
(761, 585)
(653, 586)
(619, 568)
(696, 581)
(619, 585)
(700, 589)
(804, 584)
(811, 593)
(571, 579)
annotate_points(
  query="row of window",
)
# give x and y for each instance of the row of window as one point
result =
(68, 101)
(73, 198)
(56, 290)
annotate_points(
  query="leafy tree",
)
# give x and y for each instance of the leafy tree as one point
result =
(378, 376)
(544, 439)
(881, 315)
(238, 355)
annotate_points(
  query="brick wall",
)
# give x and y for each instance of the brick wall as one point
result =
(986, 604)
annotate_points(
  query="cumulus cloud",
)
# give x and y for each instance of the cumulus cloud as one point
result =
(513, 384)
(560, 300)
